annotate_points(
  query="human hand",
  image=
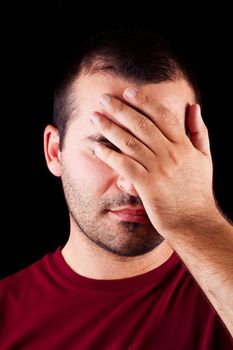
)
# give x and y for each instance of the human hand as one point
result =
(171, 172)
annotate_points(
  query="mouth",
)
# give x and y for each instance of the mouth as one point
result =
(131, 215)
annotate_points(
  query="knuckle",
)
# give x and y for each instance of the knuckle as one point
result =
(127, 166)
(117, 107)
(123, 164)
(174, 157)
(142, 99)
(130, 142)
(145, 124)
(107, 124)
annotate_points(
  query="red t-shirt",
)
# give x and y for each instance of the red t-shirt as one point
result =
(48, 306)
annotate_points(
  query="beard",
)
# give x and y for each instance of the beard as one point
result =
(91, 215)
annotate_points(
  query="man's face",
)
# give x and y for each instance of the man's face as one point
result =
(92, 189)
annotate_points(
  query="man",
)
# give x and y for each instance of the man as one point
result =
(149, 260)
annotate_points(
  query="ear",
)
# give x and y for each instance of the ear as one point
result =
(52, 150)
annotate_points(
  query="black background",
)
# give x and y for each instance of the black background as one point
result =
(35, 45)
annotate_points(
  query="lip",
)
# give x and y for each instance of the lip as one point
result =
(132, 215)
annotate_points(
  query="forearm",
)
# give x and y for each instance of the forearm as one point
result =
(206, 248)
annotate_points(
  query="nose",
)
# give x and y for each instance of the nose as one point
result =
(125, 185)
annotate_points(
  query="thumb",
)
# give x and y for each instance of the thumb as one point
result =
(198, 130)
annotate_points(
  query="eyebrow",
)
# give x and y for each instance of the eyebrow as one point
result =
(101, 139)
(97, 138)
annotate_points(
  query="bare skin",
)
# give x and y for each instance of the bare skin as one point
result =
(170, 173)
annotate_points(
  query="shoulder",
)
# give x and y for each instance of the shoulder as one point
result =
(20, 282)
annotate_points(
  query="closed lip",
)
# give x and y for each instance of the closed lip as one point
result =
(132, 215)
(131, 211)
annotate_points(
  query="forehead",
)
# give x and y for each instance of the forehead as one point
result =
(87, 90)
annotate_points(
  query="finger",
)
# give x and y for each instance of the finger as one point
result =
(163, 118)
(121, 163)
(123, 140)
(138, 124)
(198, 130)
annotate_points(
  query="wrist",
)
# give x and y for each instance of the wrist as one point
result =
(196, 229)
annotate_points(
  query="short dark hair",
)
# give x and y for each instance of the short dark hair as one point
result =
(136, 55)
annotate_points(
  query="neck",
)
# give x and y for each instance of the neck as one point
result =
(89, 260)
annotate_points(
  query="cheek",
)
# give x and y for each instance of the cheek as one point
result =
(93, 170)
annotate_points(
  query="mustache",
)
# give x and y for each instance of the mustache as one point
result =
(123, 200)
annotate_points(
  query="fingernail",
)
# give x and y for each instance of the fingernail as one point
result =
(95, 118)
(105, 99)
(131, 92)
